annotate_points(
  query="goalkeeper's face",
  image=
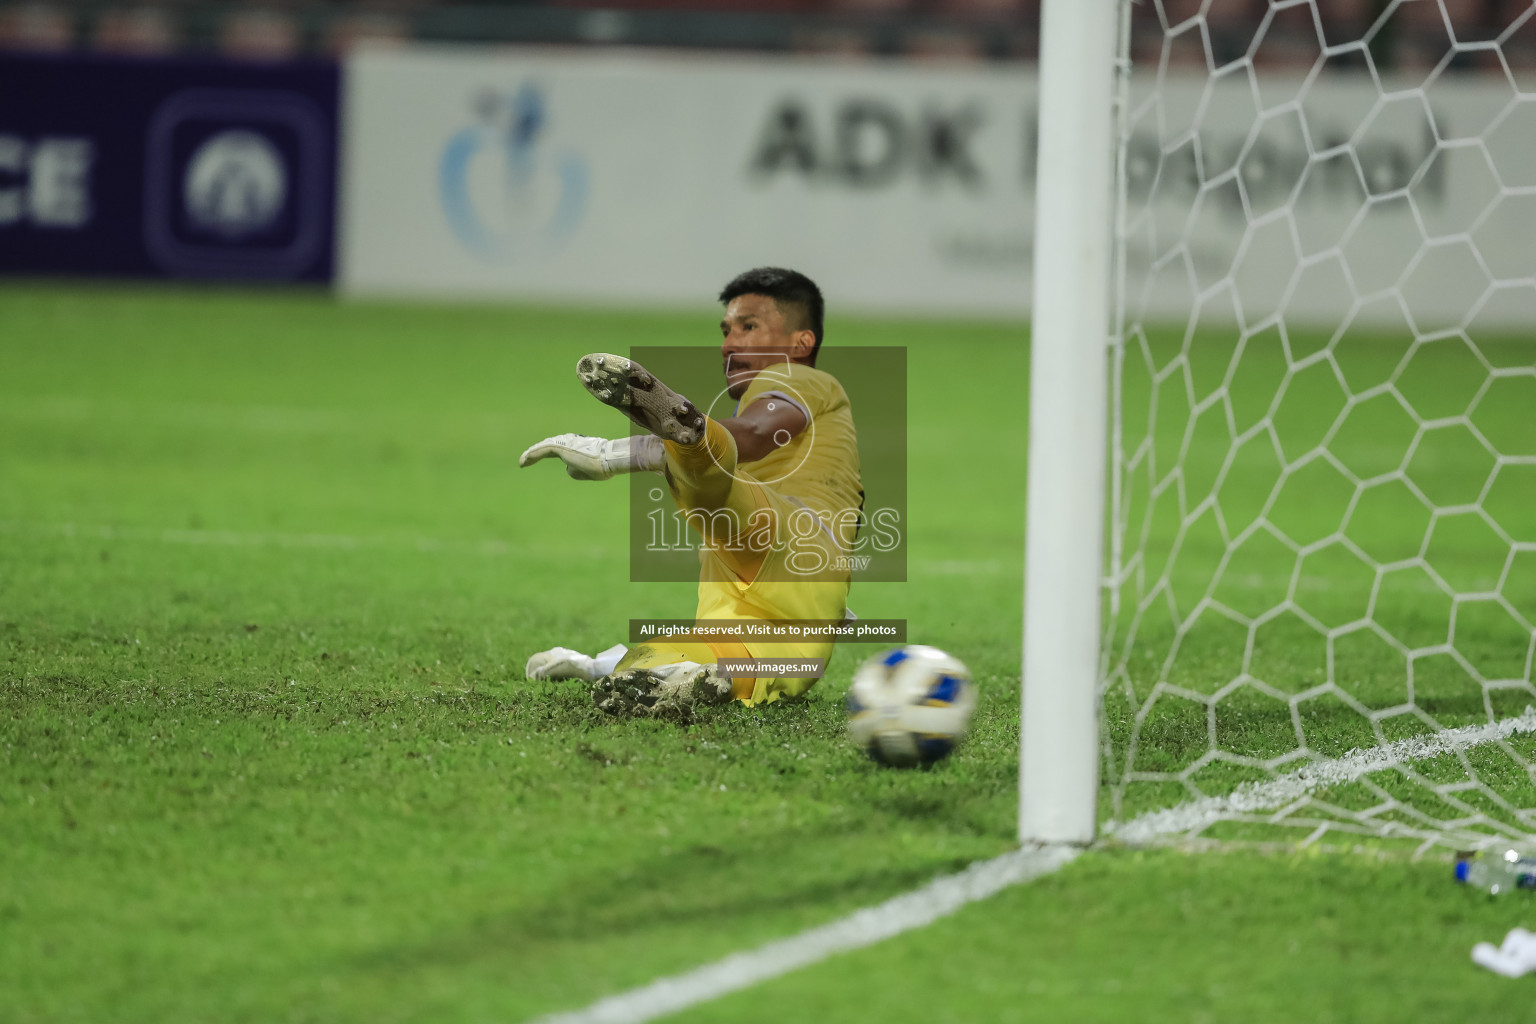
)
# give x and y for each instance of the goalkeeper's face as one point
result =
(756, 335)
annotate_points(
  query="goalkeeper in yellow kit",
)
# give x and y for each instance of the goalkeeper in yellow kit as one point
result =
(773, 493)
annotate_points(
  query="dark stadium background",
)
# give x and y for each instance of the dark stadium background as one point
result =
(946, 30)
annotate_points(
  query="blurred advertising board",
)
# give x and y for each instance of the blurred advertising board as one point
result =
(652, 179)
(167, 168)
(631, 178)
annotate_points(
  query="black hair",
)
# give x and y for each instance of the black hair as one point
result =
(796, 295)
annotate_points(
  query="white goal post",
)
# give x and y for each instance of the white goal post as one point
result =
(1059, 750)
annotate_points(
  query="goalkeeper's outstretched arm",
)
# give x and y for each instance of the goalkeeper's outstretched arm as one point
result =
(765, 425)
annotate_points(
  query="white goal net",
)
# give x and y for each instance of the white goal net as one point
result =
(1321, 583)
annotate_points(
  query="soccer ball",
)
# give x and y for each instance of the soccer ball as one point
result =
(910, 706)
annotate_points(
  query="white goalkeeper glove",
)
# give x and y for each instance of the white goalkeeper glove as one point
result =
(596, 458)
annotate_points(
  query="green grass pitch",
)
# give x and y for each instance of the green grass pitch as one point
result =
(269, 573)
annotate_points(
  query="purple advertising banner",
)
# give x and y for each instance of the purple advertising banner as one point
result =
(167, 167)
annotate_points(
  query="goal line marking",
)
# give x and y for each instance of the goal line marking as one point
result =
(944, 896)
(1263, 796)
(939, 898)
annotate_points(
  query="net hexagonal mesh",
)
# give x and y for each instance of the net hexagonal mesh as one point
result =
(1323, 490)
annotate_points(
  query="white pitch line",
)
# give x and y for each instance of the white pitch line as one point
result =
(944, 896)
(1261, 796)
(274, 539)
(939, 898)
(347, 542)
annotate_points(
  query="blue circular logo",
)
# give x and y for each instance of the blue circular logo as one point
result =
(504, 193)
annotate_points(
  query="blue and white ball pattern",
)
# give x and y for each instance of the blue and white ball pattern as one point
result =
(910, 706)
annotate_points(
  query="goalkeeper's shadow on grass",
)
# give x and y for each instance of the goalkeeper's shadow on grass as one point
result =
(697, 885)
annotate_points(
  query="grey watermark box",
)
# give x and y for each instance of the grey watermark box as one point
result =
(769, 631)
(774, 668)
